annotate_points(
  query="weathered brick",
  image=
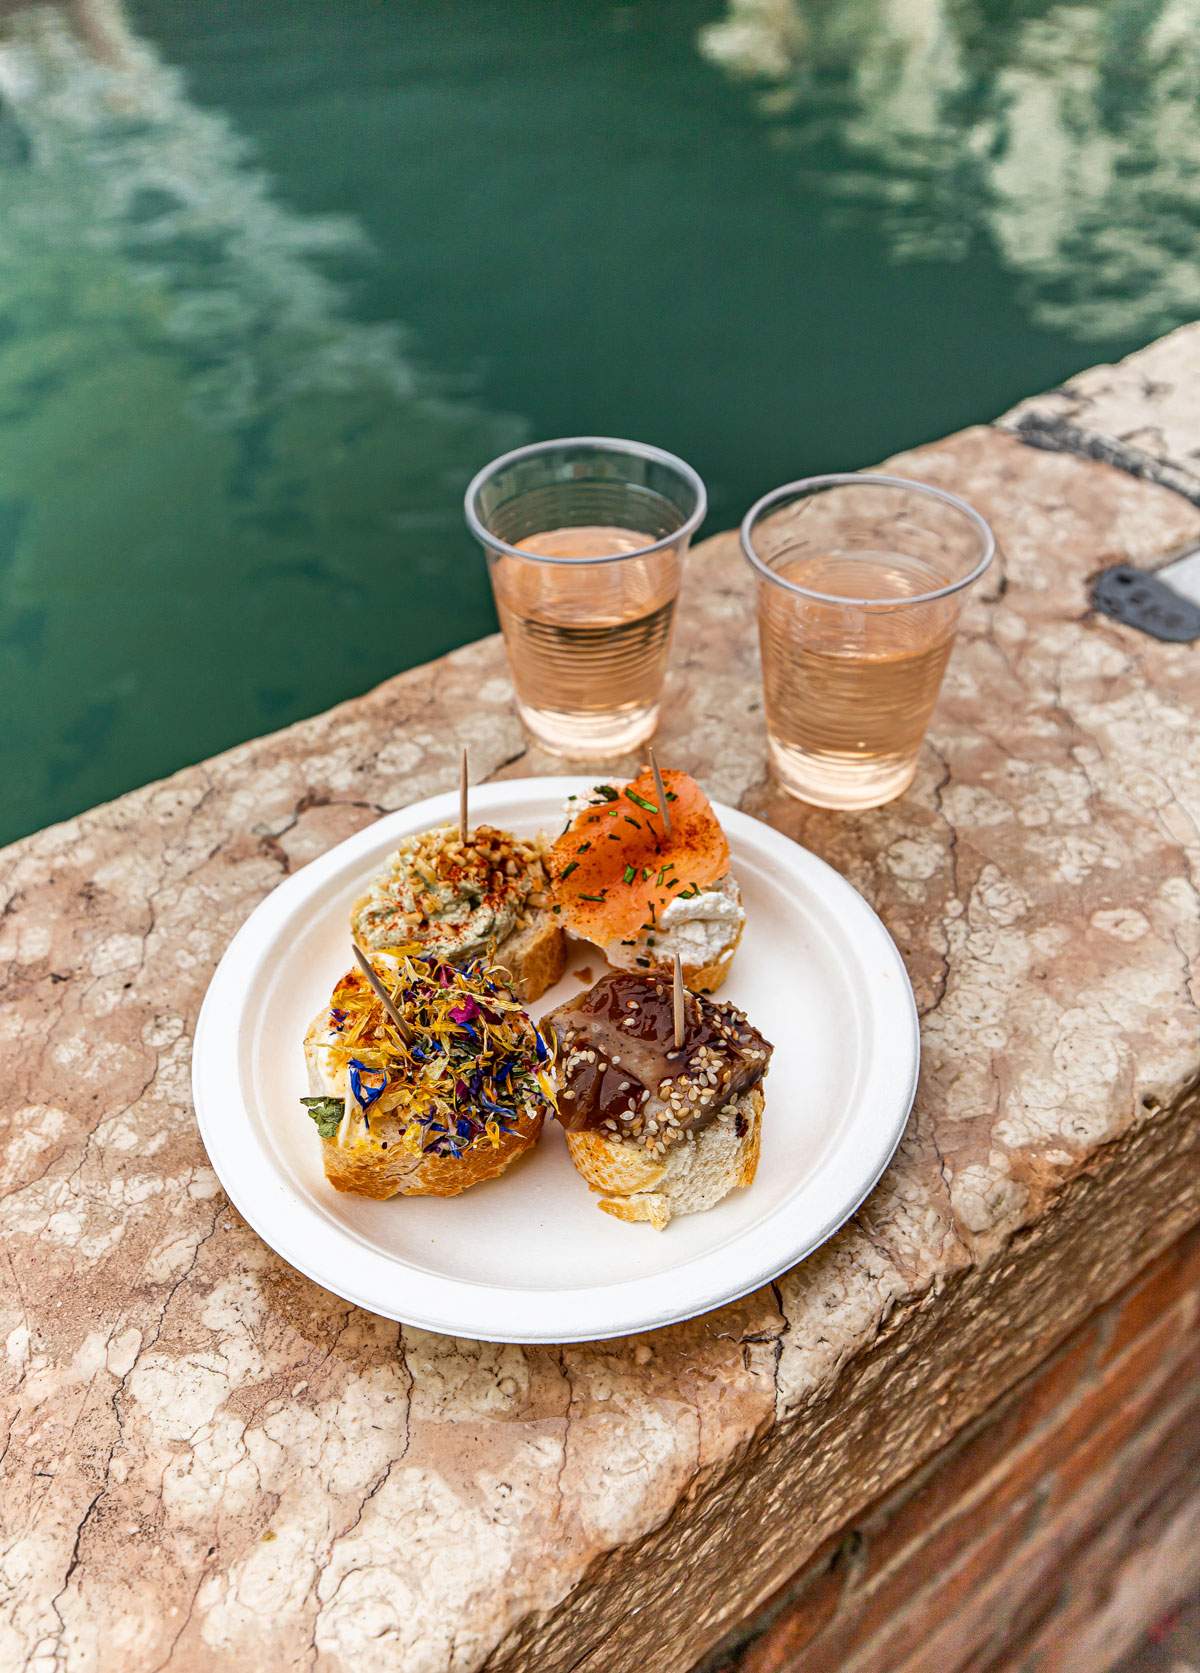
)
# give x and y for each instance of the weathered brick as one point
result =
(991, 1448)
(1174, 1278)
(1067, 1551)
(814, 1606)
(1122, 1572)
(1101, 1451)
(1027, 1512)
(1133, 1377)
(901, 1620)
(1005, 1463)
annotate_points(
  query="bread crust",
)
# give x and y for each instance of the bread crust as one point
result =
(534, 957)
(707, 978)
(365, 1169)
(637, 1187)
(698, 978)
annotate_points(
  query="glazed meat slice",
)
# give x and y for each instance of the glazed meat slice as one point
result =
(619, 1069)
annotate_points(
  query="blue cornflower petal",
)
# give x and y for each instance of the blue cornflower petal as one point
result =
(365, 1094)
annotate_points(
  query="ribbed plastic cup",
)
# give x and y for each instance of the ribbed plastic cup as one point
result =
(861, 579)
(587, 615)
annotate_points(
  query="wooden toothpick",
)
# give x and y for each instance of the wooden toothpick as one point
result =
(660, 791)
(462, 797)
(382, 994)
(678, 1003)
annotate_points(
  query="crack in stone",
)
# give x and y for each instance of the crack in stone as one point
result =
(1191, 999)
(785, 1327)
(187, 1621)
(118, 1440)
(73, 1564)
(943, 976)
(562, 1463)
(377, 1486)
(508, 761)
(269, 840)
(945, 1177)
(1060, 435)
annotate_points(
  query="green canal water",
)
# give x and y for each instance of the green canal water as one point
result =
(276, 276)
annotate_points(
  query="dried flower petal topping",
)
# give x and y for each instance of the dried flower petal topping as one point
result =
(475, 1068)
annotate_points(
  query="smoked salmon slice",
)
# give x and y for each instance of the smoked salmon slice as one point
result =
(615, 869)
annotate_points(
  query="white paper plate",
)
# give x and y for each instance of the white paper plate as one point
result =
(529, 1257)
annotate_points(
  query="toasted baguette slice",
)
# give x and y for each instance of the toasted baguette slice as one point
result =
(707, 978)
(534, 957)
(365, 1168)
(636, 1186)
(698, 978)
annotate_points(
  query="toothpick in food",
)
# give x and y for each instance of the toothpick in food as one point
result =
(382, 994)
(660, 791)
(462, 797)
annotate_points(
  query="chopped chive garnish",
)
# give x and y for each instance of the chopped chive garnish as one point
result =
(598, 898)
(567, 870)
(606, 792)
(583, 847)
(645, 874)
(640, 801)
(630, 820)
(630, 874)
(671, 796)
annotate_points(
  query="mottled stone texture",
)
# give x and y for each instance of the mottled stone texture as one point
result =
(1142, 414)
(1045, 1537)
(213, 1464)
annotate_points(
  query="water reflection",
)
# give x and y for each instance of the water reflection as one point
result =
(202, 454)
(1070, 134)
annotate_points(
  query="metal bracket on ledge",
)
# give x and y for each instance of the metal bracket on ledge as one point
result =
(1165, 604)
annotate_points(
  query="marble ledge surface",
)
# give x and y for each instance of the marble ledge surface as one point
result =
(211, 1463)
(1142, 415)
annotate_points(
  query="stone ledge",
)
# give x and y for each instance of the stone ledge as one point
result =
(219, 1465)
(1142, 415)
(932, 1363)
(1006, 1549)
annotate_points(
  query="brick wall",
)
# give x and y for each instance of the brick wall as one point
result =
(1044, 1538)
